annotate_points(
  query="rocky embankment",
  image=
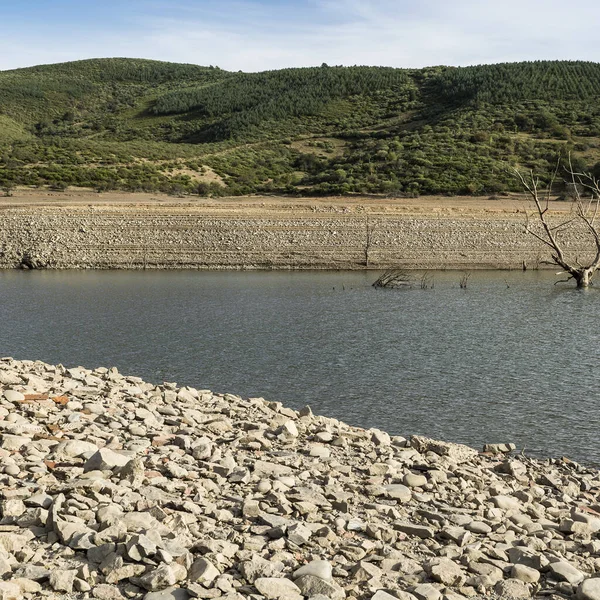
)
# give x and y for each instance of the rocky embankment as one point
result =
(279, 235)
(115, 488)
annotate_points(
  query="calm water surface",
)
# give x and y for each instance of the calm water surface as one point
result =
(511, 358)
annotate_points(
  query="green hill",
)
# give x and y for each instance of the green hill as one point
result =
(147, 125)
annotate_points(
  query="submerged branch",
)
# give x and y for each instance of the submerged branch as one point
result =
(394, 278)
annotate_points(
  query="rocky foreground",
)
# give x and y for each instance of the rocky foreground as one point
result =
(115, 488)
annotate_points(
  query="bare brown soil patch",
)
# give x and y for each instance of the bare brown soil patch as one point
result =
(513, 203)
(322, 146)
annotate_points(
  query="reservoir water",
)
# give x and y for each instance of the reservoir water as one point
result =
(512, 358)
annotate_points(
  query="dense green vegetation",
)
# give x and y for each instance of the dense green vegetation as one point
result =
(239, 104)
(510, 82)
(147, 125)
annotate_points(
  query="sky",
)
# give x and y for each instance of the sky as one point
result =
(256, 35)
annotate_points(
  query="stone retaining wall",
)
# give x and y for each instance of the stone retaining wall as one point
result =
(174, 237)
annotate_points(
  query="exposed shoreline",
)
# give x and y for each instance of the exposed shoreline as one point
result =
(115, 488)
(79, 229)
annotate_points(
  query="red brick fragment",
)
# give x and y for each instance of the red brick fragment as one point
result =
(36, 397)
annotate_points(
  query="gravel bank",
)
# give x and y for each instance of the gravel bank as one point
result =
(115, 488)
(279, 235)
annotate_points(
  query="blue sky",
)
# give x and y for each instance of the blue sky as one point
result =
(254, 35)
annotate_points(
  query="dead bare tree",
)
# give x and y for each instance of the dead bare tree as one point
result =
(427, 281)
(464, 280)
(368, 239)
(586, 204)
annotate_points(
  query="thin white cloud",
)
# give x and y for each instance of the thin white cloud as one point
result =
(251, 37)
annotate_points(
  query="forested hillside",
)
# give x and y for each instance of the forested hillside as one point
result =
(146, 125)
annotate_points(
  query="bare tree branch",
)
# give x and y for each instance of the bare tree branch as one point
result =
(585, 211)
